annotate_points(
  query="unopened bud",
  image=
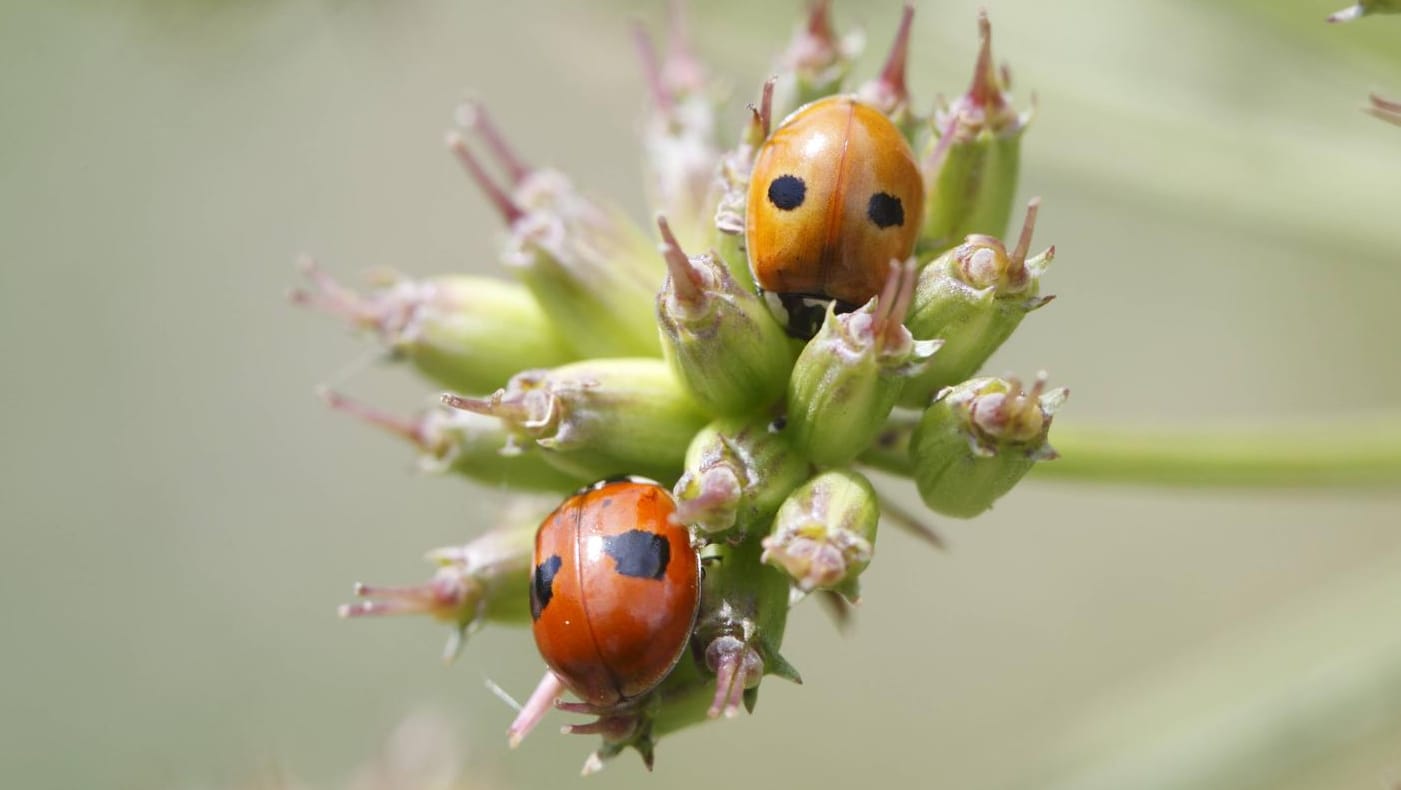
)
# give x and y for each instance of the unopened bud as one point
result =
(978, 439)
(889, 92)
(817, 60)
(599, 418)
(719, 338)
(465, 332)
(473, 445)
(738, 471)
(849, 376)
(744, 611)
(971, 168)
(973, 297)
(591, 269)
(486, 580)
(824, 534)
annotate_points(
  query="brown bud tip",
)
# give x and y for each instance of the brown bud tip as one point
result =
(472, 116)
(986, 90)
(820, 22)
(892, 77)
(494, 192)
(1028, 228)
(441, 597)
(686, 280)
(329, 296)
(651, 69)
(1384, 109)
(737, 667)
(893, 304)
(761, 115)
(411, 430)
(816, 43)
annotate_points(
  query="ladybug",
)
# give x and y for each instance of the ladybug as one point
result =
(614, 592)
(834, 196)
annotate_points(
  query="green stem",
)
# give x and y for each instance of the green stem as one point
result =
(1347, 452)
(1352, 452)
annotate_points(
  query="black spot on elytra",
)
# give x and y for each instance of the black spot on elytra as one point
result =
(640, 554)
(885, 210)
(787, 192)
(542, 586)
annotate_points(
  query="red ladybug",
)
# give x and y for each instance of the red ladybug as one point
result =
(835, 195)
(615, 589)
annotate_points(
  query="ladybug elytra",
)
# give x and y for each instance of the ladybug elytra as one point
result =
(834, 196)
(614, 591)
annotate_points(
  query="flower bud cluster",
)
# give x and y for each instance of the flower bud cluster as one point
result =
(615, 354)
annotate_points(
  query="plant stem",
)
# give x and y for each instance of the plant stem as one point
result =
(1357, 451)
(1352, 452)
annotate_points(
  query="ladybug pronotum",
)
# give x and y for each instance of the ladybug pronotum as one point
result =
(834, 196)
(614, 591)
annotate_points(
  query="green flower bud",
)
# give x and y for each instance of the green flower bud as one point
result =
(973, 297)
(719, 338)
(744, 610)
(679, 140)
(599, 418)
(970, 170)
(462, 331)
(825, 533)
(889, 92)
(486, 580)
(816, 61)
(1365, 7)
(738, 471)
(472, 445)
(591, 269)
(849, 376)
(978, 439)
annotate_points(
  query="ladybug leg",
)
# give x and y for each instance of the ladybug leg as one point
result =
(541, 700)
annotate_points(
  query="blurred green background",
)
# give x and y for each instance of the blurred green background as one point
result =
(181, 515)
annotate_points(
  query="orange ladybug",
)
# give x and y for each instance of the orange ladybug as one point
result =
(615, 590)
(834, 196)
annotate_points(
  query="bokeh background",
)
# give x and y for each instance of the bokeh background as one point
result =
(180, 515)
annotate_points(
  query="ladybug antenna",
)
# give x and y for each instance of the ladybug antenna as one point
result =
(546, 694)
(495, 193)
